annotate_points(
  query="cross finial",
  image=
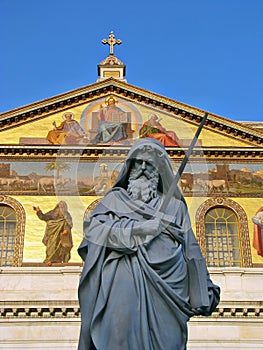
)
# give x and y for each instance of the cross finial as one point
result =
(111, 42)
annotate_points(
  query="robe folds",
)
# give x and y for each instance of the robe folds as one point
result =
(58, 245)
(134, 289)
(167, 138)
(110, 132)
(68, 132)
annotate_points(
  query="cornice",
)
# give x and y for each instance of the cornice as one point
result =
(93, 153)
(68, 309)
(131, 93)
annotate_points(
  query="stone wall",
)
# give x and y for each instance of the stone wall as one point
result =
(39, 310)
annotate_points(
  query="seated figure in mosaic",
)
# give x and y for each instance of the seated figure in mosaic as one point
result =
(154, 129)
(112, 123)
(68, 132)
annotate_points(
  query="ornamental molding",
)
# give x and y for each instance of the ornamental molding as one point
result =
(15, 311)
(91, 153)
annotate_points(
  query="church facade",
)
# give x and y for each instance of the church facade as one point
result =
(69, 149)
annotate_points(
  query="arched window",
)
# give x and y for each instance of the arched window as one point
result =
(222, 233)
(12, 230)
(222, 238)
(7, 235)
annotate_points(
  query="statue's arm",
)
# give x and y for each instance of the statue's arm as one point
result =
(121, 233)
(144, 231)
(127, 233)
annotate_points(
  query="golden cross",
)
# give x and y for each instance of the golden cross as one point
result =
(111, 42)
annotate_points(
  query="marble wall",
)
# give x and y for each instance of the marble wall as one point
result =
(39, 310)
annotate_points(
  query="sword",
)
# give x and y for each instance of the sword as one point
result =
(171, 190)
(197, 272)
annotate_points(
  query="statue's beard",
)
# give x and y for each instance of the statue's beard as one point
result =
(143, 185)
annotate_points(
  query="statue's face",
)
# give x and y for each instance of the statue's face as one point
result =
(144, 177)
(145, 164)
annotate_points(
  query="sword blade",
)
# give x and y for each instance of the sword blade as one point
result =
(178, 175)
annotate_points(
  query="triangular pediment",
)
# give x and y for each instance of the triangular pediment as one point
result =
(31, 123)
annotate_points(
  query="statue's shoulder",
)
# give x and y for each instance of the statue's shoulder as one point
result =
(177, 202)
(114, 200)
(115, 193)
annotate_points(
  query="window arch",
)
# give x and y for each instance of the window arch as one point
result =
(12, 231)
(91, 207)
(222, 232)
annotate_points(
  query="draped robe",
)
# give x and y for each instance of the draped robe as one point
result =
(108, 130)
(134, 290)
(138, 291)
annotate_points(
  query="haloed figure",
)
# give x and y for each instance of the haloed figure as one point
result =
(58, 237)
(135, 290)
(68, 132)
(110, 130)
(152, 128)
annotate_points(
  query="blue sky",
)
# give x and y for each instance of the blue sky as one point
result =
(205, 53)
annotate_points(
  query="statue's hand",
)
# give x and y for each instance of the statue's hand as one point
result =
(204, 311)
(150, 227)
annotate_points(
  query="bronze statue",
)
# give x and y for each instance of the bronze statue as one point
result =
(135, 286)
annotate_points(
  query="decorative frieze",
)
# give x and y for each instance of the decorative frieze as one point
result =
(44, 310)
(71, 310)
(83, 151)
